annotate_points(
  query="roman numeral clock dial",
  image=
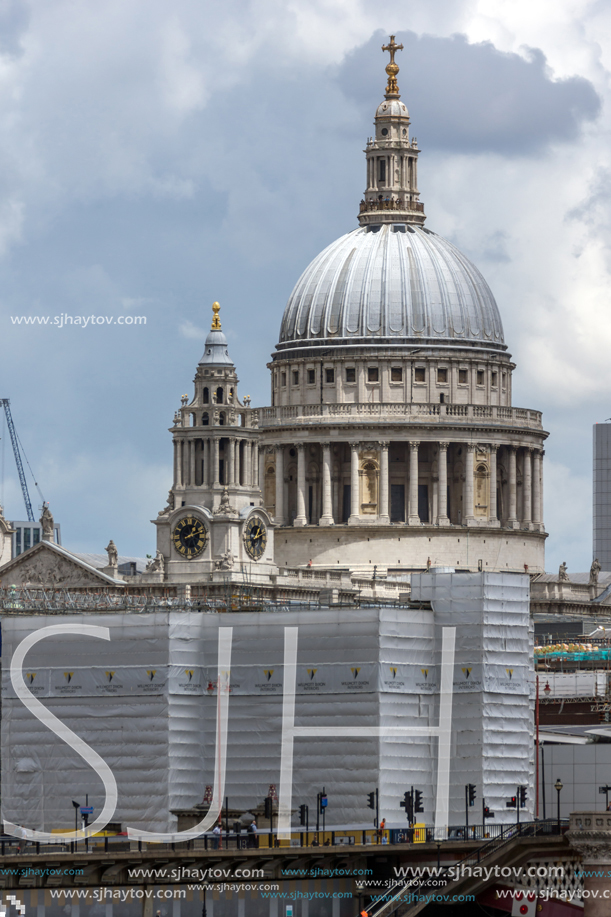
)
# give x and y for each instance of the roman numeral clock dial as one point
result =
(255, 537)
(190, 536)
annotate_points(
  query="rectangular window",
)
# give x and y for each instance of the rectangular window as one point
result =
(372, 373)
(480, 377)
(493, 379)
(17, 542)
(311, 376)
(329, 376)
(462, 377)
(295, 377)
(504, 380)
(382, 170)
(350, 374)
(396, 374)
(282, 378)
(26, 539)
(420, 374)
(442, 376)
(35, 536)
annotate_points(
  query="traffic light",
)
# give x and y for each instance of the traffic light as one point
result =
(488, 813)
(511, 803)
(522, 790)
(408, 804)
(472, 794)
(324, 802)
(303, 814)
(418, 807)
(268, 807)
(372, 800)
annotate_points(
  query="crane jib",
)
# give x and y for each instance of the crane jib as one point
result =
(16, 452)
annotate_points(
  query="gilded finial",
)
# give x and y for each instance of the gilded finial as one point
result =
(216, 322)
(392, 87)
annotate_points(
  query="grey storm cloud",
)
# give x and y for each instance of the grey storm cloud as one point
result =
(473, 97)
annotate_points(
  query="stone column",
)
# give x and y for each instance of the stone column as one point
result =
(247, 462)
(230, 477)
(237, 475)
(207, 455)
(383, 512)
(327, 499)
(279, 516)
(215, 461)
(261, 459)
(413, 517)
(492, 517)
(354, 484)
(589, 835)
(512, 520)
(467, 500)
(175, 462)
(442, 505)
(300, 518)
(537, 504)
(179, 476)
(192, 462)
(527, 495)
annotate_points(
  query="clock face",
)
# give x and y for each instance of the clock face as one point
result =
(255, 537)
(190, 537)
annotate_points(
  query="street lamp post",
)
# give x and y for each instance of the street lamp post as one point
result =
(558, 787)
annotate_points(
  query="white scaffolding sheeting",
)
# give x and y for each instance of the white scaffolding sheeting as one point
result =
(146, 702)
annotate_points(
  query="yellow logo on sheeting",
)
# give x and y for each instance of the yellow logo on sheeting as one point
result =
(30, 676)
(312, 673)
(268, 673)
(425, 672)
(355, 672)
(394, 671)
(110, 676)
(467, 672)
(189, 672)
(151, 673)
(509, 672)
(68, 676)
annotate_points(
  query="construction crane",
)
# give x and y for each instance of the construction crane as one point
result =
(5, 403)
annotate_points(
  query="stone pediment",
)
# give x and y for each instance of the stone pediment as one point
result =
(51, 566)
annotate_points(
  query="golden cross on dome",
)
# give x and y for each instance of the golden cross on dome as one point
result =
(216, 322)
(392, 88)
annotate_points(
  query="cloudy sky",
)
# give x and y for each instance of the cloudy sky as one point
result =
(157, 156)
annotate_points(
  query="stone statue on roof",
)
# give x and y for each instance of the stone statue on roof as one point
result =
(594, 571)
(113, 554)
(46, 521)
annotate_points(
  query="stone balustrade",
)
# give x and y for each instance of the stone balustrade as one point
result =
(454, 414)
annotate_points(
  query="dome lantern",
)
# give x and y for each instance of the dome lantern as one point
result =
(391, 195)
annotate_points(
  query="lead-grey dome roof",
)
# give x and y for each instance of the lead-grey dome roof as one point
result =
(215, 351)
(397, 285)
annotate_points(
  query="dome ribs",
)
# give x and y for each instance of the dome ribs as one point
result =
(391, 285)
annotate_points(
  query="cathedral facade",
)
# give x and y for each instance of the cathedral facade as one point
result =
(391, 441)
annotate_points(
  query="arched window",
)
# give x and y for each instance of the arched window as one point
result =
(206, 396)
(219, 395)
(205, 419)
(222, 419)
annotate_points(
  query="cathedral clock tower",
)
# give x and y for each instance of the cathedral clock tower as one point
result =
(214, 526)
